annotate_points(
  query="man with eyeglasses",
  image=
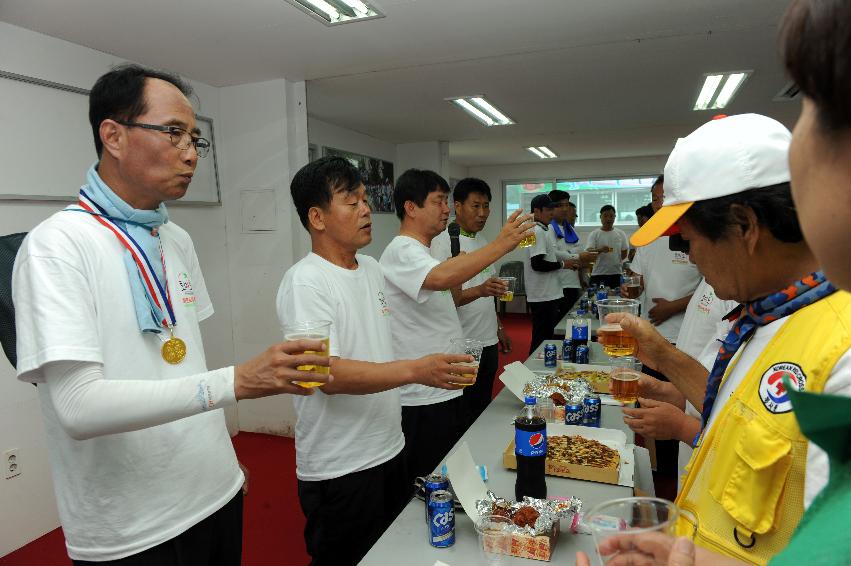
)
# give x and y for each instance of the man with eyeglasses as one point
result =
(108, 297)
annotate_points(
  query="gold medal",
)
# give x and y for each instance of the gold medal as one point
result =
(174, 349)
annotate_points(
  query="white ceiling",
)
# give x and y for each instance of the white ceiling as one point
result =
(588, 78)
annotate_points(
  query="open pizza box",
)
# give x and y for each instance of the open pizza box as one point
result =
(615, 439)
(515, 376)
(469, 488)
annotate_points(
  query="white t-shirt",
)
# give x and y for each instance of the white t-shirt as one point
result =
(569, 277)
(703, 320)
(667, 275)
(423, 321)
(839, 383)
(337, 435)
(541, 285)
(703, 326)
(119, 494)
(608, 263)
(478, 318)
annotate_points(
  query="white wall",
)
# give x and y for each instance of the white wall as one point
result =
(261, 136)
(257, 120)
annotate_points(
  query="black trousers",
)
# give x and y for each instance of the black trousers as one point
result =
(667, 451)
(430, 432)
(478, 396)
(347, 515)
(545, 316)
(610, 281)
(215, 541)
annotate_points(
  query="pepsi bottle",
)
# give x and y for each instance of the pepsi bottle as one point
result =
(530, 448)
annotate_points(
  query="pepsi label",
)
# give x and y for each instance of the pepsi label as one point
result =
(530, 444)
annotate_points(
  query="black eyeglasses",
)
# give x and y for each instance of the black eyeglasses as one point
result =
(180, 138)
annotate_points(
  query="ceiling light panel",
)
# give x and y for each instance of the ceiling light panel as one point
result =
(542, 152)
(482, 110)
(719, 89)
(336, 12)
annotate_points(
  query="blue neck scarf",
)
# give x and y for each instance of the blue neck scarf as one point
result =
(565, 232)
(759, 313)
(139, 224)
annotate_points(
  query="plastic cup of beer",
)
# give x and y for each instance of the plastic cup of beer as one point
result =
(508, 296)
(632, 516)
(310, 330)
(631, 287)
(623, 384)
(615, 341)
(528, 241)
(469, 347)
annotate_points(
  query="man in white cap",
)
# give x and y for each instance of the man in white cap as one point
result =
(728, 201)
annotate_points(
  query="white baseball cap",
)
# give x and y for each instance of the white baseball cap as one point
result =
(729, 155)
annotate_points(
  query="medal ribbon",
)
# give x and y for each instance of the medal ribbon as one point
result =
(157, 290)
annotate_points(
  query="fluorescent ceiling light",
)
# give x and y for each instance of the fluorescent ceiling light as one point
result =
(335, 12)
(719, 89)
(542, 151)
(482, 110)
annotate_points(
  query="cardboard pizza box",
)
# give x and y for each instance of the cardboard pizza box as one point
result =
(615, 439)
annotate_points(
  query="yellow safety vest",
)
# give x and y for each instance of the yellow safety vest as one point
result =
(745, 481)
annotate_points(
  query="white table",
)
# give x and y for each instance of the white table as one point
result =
(406, 543)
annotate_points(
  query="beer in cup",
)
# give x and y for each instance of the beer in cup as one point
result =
(310, 330)
(623, 384)
(528, 241)
(615, 341)
(508, 296)
(631, 287)
(471, 348)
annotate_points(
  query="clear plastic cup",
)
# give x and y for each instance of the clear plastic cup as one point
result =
(633, 515)
(310, 330)
(471, 348)
(494, 538)
(615, 341)
(508, 296)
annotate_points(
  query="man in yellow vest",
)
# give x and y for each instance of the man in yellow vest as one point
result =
(728, 203)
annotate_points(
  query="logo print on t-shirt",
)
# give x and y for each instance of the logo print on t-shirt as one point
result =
(185, 286)
(680, 258)
(773, 393)
(384, 309)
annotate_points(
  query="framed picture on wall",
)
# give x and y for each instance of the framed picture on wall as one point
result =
(377, 176)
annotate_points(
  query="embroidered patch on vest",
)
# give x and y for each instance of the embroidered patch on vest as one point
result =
(772, 393)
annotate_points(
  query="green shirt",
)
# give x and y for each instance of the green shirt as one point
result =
(822, 536)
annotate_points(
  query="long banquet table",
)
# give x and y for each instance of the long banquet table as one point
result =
(406, 543)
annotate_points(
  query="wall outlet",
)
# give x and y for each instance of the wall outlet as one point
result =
(12, 462)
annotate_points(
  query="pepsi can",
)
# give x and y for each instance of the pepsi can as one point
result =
(441, 519)
(434, 482)
(591, 410)
(583, 303)
(573, 411)
(567, 351)
(582, 355)
(550, 356)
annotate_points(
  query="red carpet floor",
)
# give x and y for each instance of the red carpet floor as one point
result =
(273, 520)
